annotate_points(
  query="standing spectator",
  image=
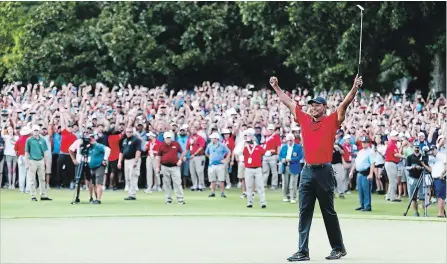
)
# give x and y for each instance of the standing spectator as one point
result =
(65, 166)
(46, 137)
(290, 155)
(25, 133)
(98, 156)
(130, 152)
(272, 145)
(364, 165)
(182, 139)
(401, 179)
(152, 147)
(379, 163)
(392, 158)
(196, 148)
(347, 160)
(169, 166)
(238, 156)
(2, 159)
(10, 139)
(337, 165)
(36, 156)
(228, 140)
(55, 136)
(253, 170)
(219, 155)
(114, 143)
(438, 170)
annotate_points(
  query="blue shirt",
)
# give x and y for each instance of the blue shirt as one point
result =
(96, 155)
(182, 141)
(216, 153)
(57, 143)
(364, 160)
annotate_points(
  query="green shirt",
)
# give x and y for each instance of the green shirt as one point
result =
(35, 148)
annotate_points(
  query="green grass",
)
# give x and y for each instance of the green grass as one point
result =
(17, 205)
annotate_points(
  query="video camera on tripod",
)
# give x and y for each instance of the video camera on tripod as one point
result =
(84, 152)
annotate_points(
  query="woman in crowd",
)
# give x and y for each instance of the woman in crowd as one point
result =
(10, 138)
(380, 149)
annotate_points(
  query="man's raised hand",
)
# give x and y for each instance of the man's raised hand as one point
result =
(274, 82)
(358, 82)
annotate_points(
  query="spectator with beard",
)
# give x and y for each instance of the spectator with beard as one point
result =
(414, 168)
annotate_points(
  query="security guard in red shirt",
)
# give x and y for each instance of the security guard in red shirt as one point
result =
(253, 169)
(317, 178)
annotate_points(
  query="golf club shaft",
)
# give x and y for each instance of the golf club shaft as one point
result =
(360, 49)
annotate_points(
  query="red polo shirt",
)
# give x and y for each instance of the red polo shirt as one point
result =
(229, 143)
(391, 149)
(347, 148)
(67, 139)
(153, 147)
(318, 137)
(272, 143)
(297, 141)
(194, 143)
(114, 144)
(169, 153)
(19, 147)
(255, 155)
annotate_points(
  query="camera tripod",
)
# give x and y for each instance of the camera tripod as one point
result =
(78, 176)
(425, 181)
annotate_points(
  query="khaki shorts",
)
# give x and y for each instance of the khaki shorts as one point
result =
(50, 163)
(241, 170)
(98, 175)
(216, 173)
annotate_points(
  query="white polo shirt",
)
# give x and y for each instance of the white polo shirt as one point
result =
(437, 164)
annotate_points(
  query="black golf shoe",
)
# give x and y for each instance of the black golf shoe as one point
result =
(336, 254)
(298, 257)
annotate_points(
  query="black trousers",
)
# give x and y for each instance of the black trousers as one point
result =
(318, 183)
(66, 176)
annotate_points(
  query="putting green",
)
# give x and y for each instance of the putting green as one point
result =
(17, 205)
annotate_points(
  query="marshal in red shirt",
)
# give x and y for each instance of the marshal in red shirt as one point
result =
(67, 139)
(114, 144)
(272, 143)
(169, 153)
(256, 156)
(194, 143)
(391, 149)
(318, 137)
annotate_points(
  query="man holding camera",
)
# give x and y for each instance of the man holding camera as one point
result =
(414, 168)
(438, 169)
(94, 167)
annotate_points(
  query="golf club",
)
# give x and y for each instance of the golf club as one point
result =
(361, 31)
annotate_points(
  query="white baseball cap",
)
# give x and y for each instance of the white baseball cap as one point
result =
(184, 127)
(271, 127)
(421, 134)
(36, 128)
(226, 131)
(347, 137)
(25, 131)
(394, 133)
(290, 137)
(151, 134)
(214, 136)
(296, 128)
(168, 134)
(250, 132)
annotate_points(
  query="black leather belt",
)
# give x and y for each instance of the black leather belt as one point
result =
(315, 166)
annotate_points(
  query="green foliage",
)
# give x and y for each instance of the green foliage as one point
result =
(313, 44)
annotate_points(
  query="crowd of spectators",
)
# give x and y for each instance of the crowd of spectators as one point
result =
(63, 113)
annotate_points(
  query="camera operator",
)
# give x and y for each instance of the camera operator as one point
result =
(94, 167)
(414, 168)
(438, 169)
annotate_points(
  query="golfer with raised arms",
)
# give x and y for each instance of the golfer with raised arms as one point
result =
(317, 178)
